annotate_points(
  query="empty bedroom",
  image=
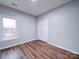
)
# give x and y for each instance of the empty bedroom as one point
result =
(39, 29)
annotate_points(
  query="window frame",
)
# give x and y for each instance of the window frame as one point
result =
(12, 17)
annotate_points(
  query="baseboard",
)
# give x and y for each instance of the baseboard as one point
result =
(75, 52)
(72, 51)
(14, 44)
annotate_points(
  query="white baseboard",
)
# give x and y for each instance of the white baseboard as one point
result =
(72, 51)
(75, 52)
(14, 44)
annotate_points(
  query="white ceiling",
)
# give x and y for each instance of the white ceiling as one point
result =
(34, 8)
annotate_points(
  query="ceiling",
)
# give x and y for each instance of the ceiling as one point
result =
(33, 7)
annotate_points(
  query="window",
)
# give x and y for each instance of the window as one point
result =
(9, 28)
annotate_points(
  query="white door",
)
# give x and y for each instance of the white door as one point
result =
(43, 29)
(1, 28)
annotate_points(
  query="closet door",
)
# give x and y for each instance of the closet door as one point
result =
(1, 28)
(43, 29)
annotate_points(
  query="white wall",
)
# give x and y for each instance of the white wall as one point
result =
(26, 26)
(63, 25)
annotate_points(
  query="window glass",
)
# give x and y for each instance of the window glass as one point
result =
(9, 28)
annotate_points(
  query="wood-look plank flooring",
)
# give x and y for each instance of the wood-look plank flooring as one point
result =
(36, 49)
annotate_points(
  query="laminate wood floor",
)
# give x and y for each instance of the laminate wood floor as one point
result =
(36, 49)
